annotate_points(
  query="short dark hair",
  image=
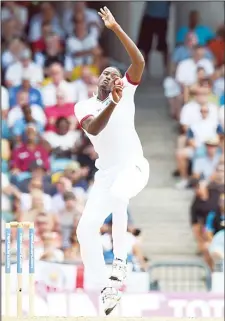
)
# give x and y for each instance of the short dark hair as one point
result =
(58, 121)
(69, 196)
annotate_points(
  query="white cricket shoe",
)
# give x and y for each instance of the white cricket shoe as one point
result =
(119, 271)
(110, 298)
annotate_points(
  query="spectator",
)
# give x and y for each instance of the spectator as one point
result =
(30, 151)
(80, 12)
(12, 10)
(77, 175)
(4, 112)
(64, 185)
(197, 134)
(86, 85)
(9, 32)
(53, 53)
(72, 253)
(63, 140)
(217, 46)
(40, 44)
(68, 218)
(203, 86)
(6, 153)
(155, 23)
(35, 97)
(61, 109)
(14, 73)
(12, 52)
(23, 114)
(50, 252)
(185, 51)
(38, 171)
(56, 74)
(8, 190)
(83, 47)
(186, 73)
(214, 227)
(47, 15)
(191, 112)
(205, 200)
(219, 85)
(205, 167)
(203, 33)
(35, 184)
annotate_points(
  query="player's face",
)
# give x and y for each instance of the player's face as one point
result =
(107, 78)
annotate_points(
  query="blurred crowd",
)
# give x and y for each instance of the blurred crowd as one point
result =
(194, 90)
(51, 58)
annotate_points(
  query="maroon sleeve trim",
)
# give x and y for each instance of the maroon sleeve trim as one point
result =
(84, 118)
(130, 81)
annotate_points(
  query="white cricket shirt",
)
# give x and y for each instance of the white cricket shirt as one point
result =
(118, 143)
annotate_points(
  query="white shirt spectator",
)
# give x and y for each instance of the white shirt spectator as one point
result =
(91, 16)
(4, 98)
(6, 204)
(49, 93)
(16, 113)
(57, 255)
(80, 90)
(58, 202)
(203, 130)
(74, 45)
(218, 87)
(35, 31)
(186, 72)
(65, 142)
(190, 113)
(26, 202)
(20, 13)
(15, 73)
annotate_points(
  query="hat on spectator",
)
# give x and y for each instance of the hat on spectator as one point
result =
(25, 54)
(73, 166)
(38, 163)
(213, 141)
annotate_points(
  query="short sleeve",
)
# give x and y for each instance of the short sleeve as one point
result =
(82, 111)
(198, 166)
(128, 82)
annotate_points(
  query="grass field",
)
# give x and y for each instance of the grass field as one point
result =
(107, 318)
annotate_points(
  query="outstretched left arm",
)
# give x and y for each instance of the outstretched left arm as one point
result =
(136, 68)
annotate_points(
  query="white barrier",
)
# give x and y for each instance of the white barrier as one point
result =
(132, 305)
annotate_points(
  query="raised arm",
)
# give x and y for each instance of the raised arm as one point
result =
(136, 68)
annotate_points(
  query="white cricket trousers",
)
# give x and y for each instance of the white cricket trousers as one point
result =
(110, 193)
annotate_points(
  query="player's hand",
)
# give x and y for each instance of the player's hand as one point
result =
(107, 17)
(117, 90)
